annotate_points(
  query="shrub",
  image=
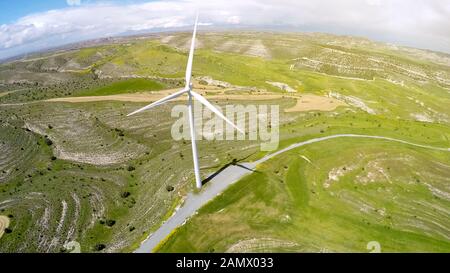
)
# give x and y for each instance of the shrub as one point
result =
(99, 247)
(48, 141)
(120, 132)
(110, 222)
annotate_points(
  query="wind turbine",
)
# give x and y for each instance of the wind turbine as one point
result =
(191, 94)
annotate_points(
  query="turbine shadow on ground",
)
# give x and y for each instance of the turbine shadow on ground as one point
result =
(234, 162)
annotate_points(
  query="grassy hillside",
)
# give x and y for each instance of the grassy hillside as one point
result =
(337, 195)
(126, 86)
(84, 171)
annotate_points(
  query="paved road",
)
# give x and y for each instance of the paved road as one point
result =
(229, 176)
(195, 201)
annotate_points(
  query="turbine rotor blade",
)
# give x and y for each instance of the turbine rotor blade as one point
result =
(213, 109)
(191, 56)
(159, 102)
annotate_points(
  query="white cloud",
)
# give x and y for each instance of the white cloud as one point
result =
(419, 23)
(374, 2)
(73, 2)
(234, 20)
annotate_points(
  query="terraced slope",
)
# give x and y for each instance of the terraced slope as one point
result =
(86, 165)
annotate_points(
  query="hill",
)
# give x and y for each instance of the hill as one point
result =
(79, 169)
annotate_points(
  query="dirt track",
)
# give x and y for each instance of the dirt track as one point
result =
(313, 102)
(153, 96)
(307, 102)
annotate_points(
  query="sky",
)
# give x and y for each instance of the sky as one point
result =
(27, 26)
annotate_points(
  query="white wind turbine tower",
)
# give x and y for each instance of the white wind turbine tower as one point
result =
(188, 90)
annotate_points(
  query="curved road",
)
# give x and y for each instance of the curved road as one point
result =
(229, 176)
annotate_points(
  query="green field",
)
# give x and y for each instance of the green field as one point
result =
(288, 205)
(336, 195)
(86, 172)
(126, 86)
